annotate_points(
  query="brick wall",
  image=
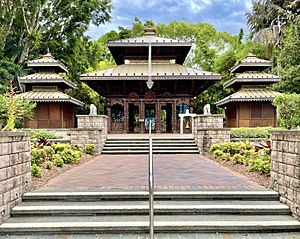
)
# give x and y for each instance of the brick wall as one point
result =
(15, 179)
(285, 167)
(93, 121)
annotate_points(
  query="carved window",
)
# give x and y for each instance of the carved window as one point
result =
(117, 113)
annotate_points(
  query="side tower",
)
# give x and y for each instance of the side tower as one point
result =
(251, 105)
(55, 109)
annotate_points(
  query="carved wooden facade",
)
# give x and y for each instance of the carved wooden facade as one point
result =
(130, 104)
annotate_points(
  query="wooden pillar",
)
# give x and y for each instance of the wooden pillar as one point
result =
(142, 116)
(109, 119)
(158, 124)
(237, 115)
(174, 120)
(62, 115)
(126, 116)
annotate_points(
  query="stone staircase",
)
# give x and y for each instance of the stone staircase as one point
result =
(182, 145)
(122, 212)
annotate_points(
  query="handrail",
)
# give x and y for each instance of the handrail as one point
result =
(151, 184)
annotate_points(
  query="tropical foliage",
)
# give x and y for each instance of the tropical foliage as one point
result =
(288, 108)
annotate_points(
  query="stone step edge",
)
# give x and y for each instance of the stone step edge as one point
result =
(144, 209)
(226, 194)
(159, 226)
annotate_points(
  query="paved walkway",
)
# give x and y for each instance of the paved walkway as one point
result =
(292, 235)
(183, 172)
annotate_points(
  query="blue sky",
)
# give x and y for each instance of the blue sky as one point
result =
(224, 15)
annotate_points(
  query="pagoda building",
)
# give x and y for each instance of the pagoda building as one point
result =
(132, 101)
(55, 109)
(251, 104)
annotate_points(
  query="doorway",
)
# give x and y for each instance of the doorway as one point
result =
(166, 118)
(150, 115)
(134, 118)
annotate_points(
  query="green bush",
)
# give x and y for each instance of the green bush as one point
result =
(58, 161)
(43, 134)
(248, 133)
(36, 171)
(48, 165)
(37, 156)
(49, 151)
(70, 156)
(60, 147)
(288, 108)
(244, 153)
(89, 149)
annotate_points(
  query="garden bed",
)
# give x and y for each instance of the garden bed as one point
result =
(257, 177)
(251, 160)
(47, 174)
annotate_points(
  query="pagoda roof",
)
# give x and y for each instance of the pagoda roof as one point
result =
(251, 63)
(45, 78)
(47, 61)
(149, 37)
(252, 77)
(50, 96)
(160, 71)
(249, 94)
(138, 47)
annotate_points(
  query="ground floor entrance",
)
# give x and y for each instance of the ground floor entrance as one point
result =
(135, 115)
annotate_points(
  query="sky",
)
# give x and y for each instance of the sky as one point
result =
(224, 15)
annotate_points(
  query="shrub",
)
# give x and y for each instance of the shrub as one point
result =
(89, 149)
(247, 133)
(37, 156)
(218, 153)
(48, 165)
(36, 171)
(257, 159)
(288, 108)
(70, 156)
(60, 147)
(49, 152)
(43, 134)
(58, 161)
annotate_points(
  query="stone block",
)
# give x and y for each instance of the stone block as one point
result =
(292, 147)
(14, 159)
(285, 147)
(282, 168)
(290, 170)
(3, 174)
(5, 148)
(295, 184)
(6, 197)
(4, 161)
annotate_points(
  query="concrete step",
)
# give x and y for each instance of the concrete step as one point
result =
(143, 226)
(261, 195)
(159, 209)
(167, 147)
(147, 152)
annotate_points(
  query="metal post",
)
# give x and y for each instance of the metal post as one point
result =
(151, 185)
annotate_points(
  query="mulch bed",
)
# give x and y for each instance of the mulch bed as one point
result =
(47, 175)
(257, 177)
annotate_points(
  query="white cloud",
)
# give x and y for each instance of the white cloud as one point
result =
(248, 4)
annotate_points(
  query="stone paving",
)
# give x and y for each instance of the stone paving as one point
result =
(183, 172)
(294, 235)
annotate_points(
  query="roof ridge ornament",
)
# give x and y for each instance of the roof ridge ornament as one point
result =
(149, 31)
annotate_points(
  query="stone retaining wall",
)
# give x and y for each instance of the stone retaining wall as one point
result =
(205, 138)
(15, 179)
(208, 130)
(93, 121)
(285, 167)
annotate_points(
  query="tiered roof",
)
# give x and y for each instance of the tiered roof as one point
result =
(162, 48)
(45, 82)
(251, 81)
